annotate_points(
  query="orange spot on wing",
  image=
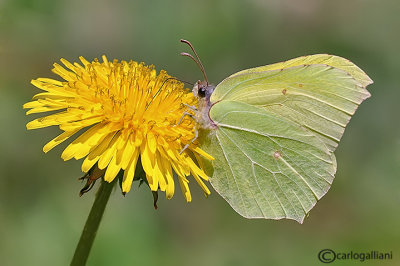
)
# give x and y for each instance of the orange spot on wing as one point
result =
(277, 154)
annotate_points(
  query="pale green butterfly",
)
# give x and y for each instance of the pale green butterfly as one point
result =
(273, 130)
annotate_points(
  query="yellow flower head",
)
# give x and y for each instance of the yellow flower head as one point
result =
(127, 112)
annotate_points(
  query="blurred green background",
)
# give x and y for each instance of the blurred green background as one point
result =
(41, 214)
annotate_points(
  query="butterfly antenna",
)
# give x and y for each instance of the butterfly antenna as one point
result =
(184, 81)
(198, 61)
(159, 90)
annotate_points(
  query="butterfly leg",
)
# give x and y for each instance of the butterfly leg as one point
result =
(191, 107)
(196, 135)
(196, 132)
(183, 116)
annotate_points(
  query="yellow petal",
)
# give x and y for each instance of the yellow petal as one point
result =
(116, 163)
(68, 126)
(68, 64)
(147, 158)
(129, 150)
(62, 72)
(51, 120)
(112, 169)
(138, 138)
(151, 142)
(57, 140)
(194, 168)
(54, 89)
(167, 170)
(202, 185)
(80, 147)
(185, 189)
(51, 81)
(203, 153)
(153, 186)
(105, 60)
(130, 172)
(32, 104)
(84, 61)
(177, 168)
(43, 109)
(108, 152)
(95, 154)
(158, 173)
(171, 154)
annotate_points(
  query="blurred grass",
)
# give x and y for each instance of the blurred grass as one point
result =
(41, 215)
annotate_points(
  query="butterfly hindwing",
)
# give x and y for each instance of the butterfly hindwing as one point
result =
(265, 165)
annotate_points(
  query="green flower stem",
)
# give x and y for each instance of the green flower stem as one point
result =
(92, 224)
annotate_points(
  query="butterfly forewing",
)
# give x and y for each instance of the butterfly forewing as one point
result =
(319, 97)
(276, 128)
(325, 59)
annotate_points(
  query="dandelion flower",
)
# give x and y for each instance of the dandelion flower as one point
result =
(124, 112)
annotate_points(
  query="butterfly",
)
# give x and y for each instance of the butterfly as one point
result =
(273, 131)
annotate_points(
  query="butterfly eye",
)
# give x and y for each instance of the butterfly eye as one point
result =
(202, 92)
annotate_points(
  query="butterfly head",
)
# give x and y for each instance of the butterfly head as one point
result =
(203, 90)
